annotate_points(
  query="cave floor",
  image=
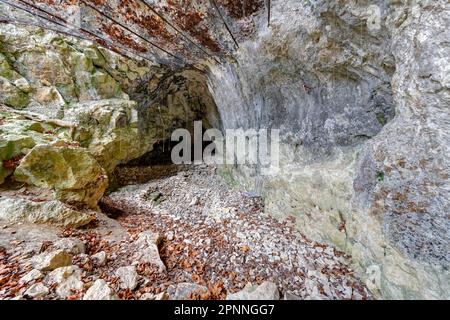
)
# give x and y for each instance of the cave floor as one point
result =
(210, 234)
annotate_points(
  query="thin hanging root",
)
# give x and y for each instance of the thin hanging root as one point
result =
(268, 12)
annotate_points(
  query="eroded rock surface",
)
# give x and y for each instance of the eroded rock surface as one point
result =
(100, 291)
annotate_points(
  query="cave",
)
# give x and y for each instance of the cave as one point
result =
(92, 92)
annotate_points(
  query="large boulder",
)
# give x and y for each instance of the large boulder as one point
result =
(57, 68)
(73, 173)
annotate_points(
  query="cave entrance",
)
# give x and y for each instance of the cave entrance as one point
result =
(179, 101)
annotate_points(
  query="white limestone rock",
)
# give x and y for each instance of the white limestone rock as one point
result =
(129, 278)
(183, 291)
(49, 261)
(99, 258)
(31, 276)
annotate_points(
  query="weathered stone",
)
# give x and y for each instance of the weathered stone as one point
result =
(184, 291)
(49, 261)
(313, 291)
(265, 291)
(193, 202)
(69, 287)
(151, 296)
(49, 59)
(291, 296)
(16, 138)
(108, 129)
(60, 274)
(48, 74)
(84, 258)
(50, 97)
(19, 133)
(23, 85)
(100, 291)
(68, 280)
(128, 276)
(31, 276)
(11, 95)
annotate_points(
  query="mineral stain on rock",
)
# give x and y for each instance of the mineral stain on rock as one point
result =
(91, 208)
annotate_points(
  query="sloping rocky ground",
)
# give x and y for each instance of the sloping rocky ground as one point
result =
(183, 236)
